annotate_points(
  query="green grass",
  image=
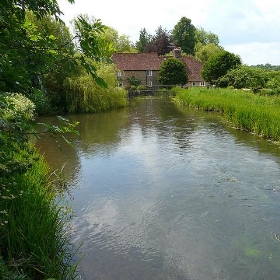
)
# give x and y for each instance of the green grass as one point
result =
(34, 240)
(259, 114)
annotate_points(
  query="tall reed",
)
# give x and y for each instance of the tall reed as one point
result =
(245, 110)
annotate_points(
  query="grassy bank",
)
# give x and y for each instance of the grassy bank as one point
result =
(34, 241)
(245, 110)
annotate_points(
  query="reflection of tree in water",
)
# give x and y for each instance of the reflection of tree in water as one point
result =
(100, 132)
(61, 157)
(162, 117)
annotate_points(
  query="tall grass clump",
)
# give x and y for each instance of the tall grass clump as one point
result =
(34, 240)
(84, 95)
(245, 110)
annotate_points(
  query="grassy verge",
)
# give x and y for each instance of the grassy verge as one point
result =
(245, 110)
(34, 241)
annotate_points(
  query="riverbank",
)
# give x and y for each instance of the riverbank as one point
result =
(247, 111)
(34, 230)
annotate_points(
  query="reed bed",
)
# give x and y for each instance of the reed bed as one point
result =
(247, 111)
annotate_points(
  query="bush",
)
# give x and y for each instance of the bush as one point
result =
(172, 72)
(142, 87)
(243, 77)
(218, 65)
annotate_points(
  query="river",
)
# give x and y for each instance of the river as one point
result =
(165, 193)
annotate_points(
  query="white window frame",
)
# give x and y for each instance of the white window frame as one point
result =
(150, 84)
(193, 84)
(202, 84)
(120, 73)
(149, 73)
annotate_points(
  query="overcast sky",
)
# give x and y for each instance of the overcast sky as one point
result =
(249, 28)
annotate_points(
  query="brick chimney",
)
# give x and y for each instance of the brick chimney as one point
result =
(177, 53)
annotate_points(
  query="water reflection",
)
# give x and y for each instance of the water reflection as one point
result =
(163, 193)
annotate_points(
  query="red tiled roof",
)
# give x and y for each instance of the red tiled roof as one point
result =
(137, 61)
(194, 68)
(151, 61)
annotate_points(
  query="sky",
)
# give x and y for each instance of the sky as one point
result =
(248, 28)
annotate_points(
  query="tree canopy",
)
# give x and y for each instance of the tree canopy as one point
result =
(32, 44)
(184, 35)
(218, 65)
(244, 76)
(173, 72)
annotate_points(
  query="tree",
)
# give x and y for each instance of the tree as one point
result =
(144, 40)
(184, 35)
(218, 65)
(28, 51)
(204, 52)
(173, 72)
(244, 77)
(22, 45)
(204, 37)
(110, 42)
(162, 41)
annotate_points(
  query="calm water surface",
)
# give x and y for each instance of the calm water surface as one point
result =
(162, 193)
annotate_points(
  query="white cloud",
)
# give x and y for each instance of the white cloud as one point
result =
(257, 53)
(239, 25)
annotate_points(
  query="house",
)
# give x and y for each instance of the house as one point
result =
(145, 66)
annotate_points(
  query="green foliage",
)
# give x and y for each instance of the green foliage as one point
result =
(32, 225)
(88, 32)
(184, 35)
(133, 80)
(85, 95)
(268, 66)
(273, 81)
(144, 40)
(204, 52)
(218, 65)
(244, 77)
(142, 87)
(172, 72)
(245, 110)
(203, 37)
(37, 52)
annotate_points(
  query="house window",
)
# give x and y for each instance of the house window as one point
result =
(120, 84)
(193, 84)
(202, 84)
(120, 73)
(149, 73)
(150, 84)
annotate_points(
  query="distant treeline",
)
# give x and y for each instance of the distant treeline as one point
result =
(268, 66)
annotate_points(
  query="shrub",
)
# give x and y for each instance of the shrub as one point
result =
(172, 72)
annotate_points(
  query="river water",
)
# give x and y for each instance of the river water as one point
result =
(164, 193)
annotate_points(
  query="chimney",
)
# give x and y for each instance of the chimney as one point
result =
(177, 53)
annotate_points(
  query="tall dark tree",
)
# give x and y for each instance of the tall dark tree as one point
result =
(184, 35)
(144, 41)
(162, 41)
